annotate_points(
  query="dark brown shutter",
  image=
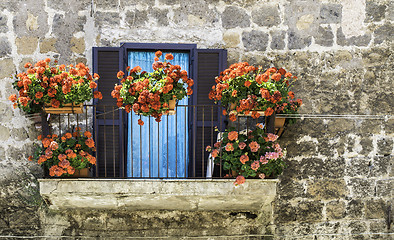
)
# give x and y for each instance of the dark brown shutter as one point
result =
(210, 63)
(109, 127)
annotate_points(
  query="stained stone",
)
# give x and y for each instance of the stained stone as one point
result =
(330, 13)
(278, 40)
(255, 40)
(374, 12)
(3, 23)
(5, 47)
(297, 41)
(267, 16)
(325, 37)
(235, 17)
(362, 40)
(136, 18)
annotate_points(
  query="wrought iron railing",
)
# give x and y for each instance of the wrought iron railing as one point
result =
(172, 148)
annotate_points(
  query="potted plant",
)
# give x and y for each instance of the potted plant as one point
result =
(152, 93)
(69, 155)
(51, 87)
(248, 154)
(245, 89)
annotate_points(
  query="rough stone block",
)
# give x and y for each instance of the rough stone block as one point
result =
(106, 4)
(255, 40)
(7, 68)
(384, 188)
(232, 39)
(290, 189)
(357, 227)
(335, 210)
(374, 12)
(357, 167)
(327, 189)
(48, 45)
(384, 33)
(359, 41)
(278, 40)
(5, 47)
(160, 16)
(267, 16)
(233, 17)
(3, 23)
(284, 212)
(72, 6)
(325, 37)
(375, 209)
(298, 41)
(379, 167)
(27, 45)
(309, 211)
(135, 18)
(112, 19)
(385, 146)
(77, 45)
(361, 187)
(331, 13)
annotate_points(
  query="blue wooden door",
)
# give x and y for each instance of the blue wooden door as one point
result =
(158, 150)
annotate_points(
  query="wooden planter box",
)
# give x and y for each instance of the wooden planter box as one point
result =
(67, 108)
(81, 173)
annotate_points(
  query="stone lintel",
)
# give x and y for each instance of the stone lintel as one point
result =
(152, 194)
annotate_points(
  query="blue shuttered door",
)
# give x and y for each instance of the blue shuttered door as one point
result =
(158, 149)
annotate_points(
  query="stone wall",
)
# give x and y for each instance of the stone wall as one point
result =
(338, 184)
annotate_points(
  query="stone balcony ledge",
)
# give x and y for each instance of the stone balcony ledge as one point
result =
(152, 194)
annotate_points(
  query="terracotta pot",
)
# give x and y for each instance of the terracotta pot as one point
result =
(67, 108)
(279, 125)
(171, 106)
(81, 173)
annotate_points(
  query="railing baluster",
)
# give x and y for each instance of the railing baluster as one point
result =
(203, 141)
(113, 141)
(95, 137)
(105, 144)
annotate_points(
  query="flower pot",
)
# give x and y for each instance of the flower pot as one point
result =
(81, 173)
(279, 125)
(171, 106)
(67, 108)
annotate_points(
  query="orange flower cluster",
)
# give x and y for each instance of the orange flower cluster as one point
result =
(248, 89)
(55, 85)
(61, 156)
(149, 94)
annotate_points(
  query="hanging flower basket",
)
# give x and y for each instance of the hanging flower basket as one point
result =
(67, 108)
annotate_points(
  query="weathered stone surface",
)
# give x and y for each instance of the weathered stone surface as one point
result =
(358, 167)
(384, 188)
(361, 187)
(232, 39)
(375, 12)
(160, 16)
(77, 45)
(375, 209)
(379, 166)
(136, 18)
(7, 68)
(309, 211)
(355, 208)
(48, 45)
(4, 133)
(385, 146)
(235, 17)
(384, 33)
(357, 227)
(325, 37)
(278, 40)
(70, 5)
(5, 47)
(290, 189)
(335, 210)
(31, 19)
(331, 13)
(362, 40)
(106, 4)
(3, 23)
(284, 212)
(327, 189)
(267, 16)
(297, 41)
(26, 45)
(190, 195)
(255, 40)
